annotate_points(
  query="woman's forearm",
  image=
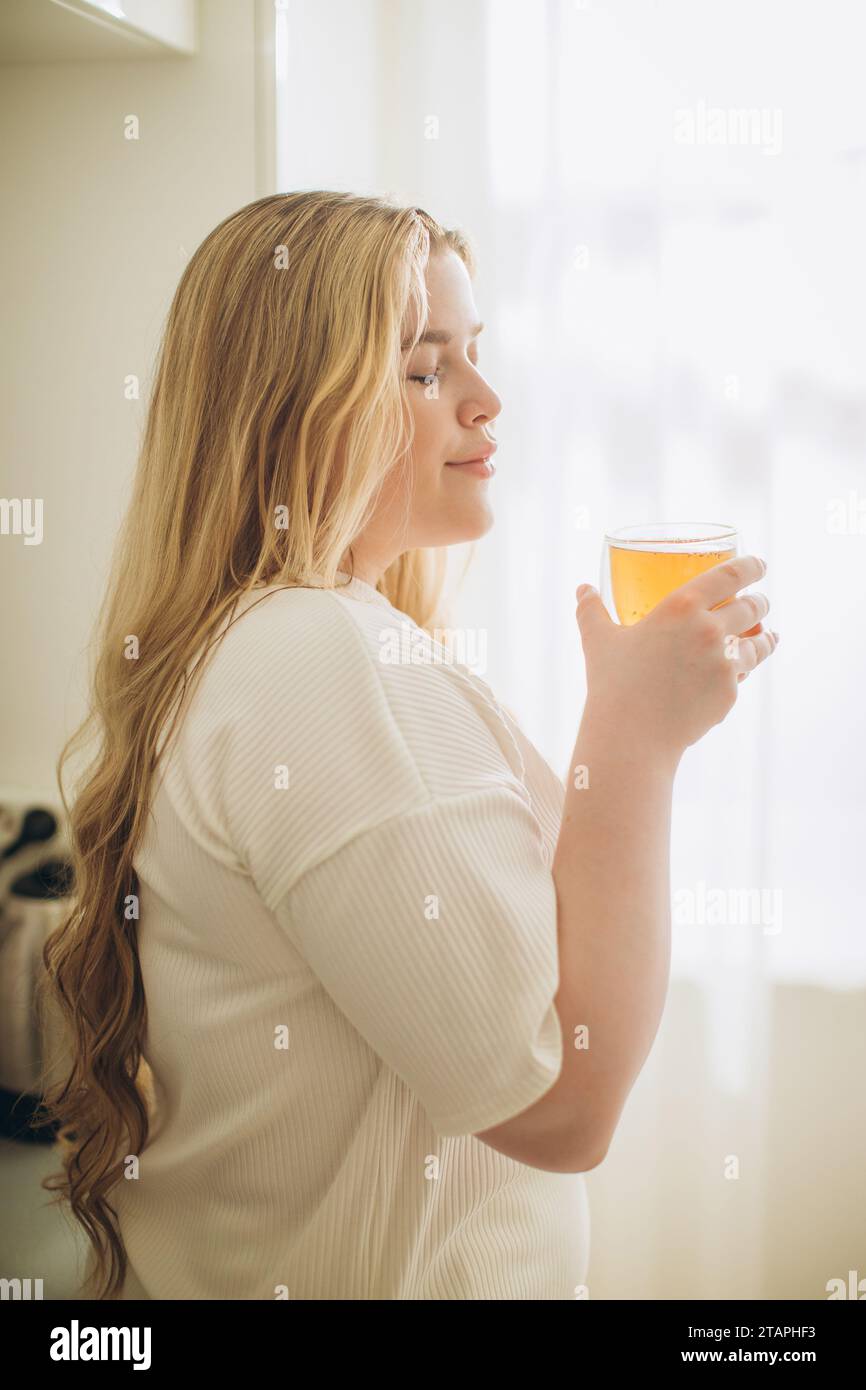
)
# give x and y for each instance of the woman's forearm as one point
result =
(612, 873)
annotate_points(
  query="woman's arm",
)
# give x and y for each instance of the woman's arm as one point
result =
(612, 873)
(611, 870)
(654, 689)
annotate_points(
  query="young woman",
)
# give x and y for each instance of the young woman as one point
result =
(357, 988)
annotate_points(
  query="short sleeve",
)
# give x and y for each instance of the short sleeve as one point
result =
(435, 933)
(291, 748)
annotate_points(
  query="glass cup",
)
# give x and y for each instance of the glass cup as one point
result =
(642, 564)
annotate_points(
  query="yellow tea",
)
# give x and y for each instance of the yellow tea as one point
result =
(641, 578)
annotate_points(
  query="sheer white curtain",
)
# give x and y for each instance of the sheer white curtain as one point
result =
(669, 205)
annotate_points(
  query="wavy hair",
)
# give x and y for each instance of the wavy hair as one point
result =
(278, 407)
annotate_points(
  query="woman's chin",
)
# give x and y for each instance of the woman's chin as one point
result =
(478, 524)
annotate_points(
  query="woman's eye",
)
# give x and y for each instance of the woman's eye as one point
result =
(428, 379)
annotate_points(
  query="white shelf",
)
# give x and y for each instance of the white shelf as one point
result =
(74, 31)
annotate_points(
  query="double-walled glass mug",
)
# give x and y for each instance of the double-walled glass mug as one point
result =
(642, 564)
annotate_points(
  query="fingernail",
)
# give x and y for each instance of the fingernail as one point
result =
(583, 589)
(764, 563)
(777, 638)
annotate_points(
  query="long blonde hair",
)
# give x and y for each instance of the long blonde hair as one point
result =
(277, 409)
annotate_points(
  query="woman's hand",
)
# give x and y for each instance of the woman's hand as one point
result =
(670, 677)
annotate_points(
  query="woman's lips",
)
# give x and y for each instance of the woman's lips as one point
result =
(479, 468)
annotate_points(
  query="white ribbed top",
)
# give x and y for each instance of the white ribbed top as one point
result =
(349, 950)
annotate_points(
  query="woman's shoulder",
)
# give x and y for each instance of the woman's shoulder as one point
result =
(294, 660)
(309, 727)
(343, 683)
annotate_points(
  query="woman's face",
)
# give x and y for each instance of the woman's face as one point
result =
(432, 500)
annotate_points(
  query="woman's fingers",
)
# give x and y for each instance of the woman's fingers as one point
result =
(744, 612)
(723, 581)
(751, 651)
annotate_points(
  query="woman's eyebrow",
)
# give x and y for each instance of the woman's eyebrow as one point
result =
(440, 337)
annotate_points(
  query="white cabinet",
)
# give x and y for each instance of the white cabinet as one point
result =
(73, 31)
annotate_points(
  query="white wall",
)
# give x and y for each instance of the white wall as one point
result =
(94, 232)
